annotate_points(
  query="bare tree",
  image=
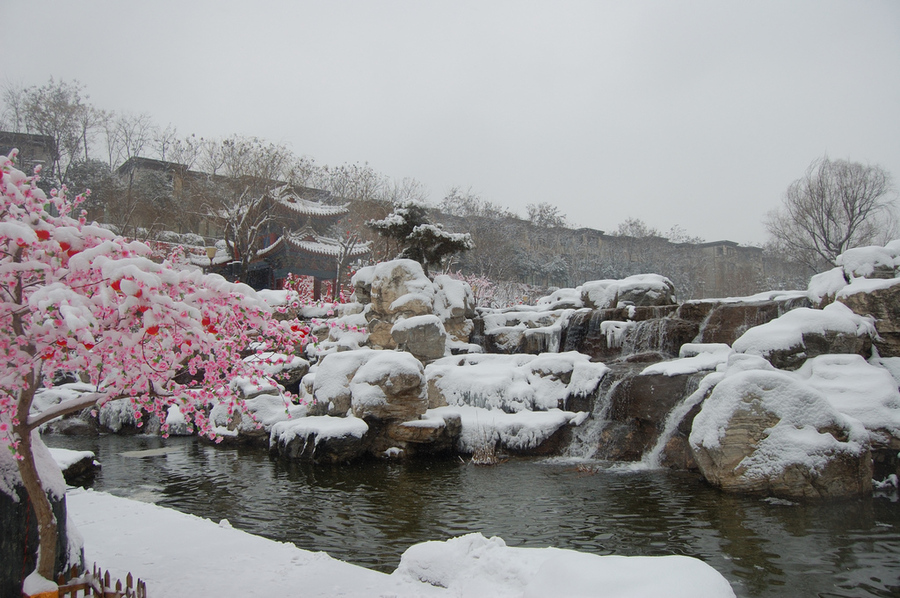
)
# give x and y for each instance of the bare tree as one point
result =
(56, 110)
(12, 117)
(246, 172)
(836, 205)
(546, 214)
(136, 133)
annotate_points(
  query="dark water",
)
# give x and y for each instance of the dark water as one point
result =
(370, 513)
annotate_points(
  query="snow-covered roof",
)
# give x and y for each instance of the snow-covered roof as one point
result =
(319, 245)
(285, 196)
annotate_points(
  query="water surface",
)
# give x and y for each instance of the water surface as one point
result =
(369, 513)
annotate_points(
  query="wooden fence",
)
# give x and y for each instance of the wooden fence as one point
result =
(99, 583)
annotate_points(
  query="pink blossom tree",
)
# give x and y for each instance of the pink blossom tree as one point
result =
(75, 297)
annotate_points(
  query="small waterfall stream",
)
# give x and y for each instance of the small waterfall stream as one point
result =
(586, 438)
(700, 386)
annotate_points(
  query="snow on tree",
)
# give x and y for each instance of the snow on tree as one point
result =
(75, 297)
(420, 240)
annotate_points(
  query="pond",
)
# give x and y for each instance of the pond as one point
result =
(369, 513)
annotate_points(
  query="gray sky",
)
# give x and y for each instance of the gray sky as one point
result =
(692, 113)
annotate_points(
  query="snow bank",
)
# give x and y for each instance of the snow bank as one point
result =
(180, 555)
(859, 270)
(473, 565)
(562, 298)
(825, 285)
(522, 431)
(757, 298)
(263, 412)
(514, 382)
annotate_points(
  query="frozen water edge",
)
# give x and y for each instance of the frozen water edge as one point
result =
(183, 555)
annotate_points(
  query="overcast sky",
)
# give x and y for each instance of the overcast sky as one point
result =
(689, 113)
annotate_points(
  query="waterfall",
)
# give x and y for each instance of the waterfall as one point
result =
(702, 383)
(586, 437)
(648, 335)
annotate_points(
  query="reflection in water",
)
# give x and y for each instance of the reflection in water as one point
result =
(369, 513)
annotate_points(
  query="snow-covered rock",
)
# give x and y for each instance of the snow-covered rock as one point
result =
(77, 467)
(398, 289)
(454, 304)
(802, 333)
(320, 439)
(254, 425)
(767, 431)
(525, 432)
(388, 386)
(423, 336)
(512, 383)
(879, 299)
(860, 390)
(638, 290)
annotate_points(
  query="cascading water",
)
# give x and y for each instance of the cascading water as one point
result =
(586, 438)
(698, 388)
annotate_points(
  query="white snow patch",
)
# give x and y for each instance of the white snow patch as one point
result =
(180, 555)
(473, 565)
(695, 357)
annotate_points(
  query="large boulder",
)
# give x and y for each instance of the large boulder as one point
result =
(331, 381)
(399, 289)
(865, 392)
(879, 299)
(389, 386)
(765, 431)
(423, 336)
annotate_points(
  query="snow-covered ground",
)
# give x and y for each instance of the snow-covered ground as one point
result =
(183, 555)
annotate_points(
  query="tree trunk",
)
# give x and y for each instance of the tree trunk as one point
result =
(46, 520)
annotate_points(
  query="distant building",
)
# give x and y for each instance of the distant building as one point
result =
(294, 242)
(34, 150)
